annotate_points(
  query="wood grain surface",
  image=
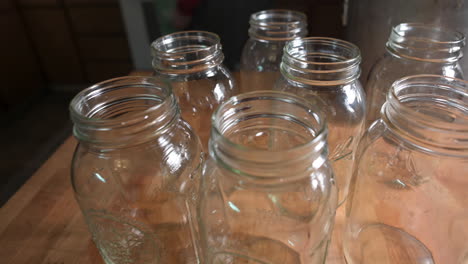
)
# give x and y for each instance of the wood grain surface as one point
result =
(43, 224)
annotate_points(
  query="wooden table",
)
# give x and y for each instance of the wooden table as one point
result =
(42, 223)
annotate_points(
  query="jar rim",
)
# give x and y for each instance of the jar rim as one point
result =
(186, 52)
(459, 38)
(321, 132)
(264, 164)
(259, 17)
(354, 58)
(398, 84)
(189, 34)
(108, 84)
(277, 25)
(321, 61)
(445, 136)
(426, 42)
(132, 116)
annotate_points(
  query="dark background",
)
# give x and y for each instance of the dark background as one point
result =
(51, 49)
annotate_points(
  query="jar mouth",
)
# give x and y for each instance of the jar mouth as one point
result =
(425, 42)
(431, 111)
(117, 110)
(321, 61)
(252, 128)
(277, 25)
(186, 51)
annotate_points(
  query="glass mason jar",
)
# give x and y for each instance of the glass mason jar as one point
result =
(325, 71)
(413, 49)
(136, 172)
(261, 57)
(192, 62)
(267, 193)
(409, 191)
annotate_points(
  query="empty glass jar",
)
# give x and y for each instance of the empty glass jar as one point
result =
(325, 72)
(413, 49)
(192, 62)
(409, 191)
(136, 172)
(268, 194)
(269, 31)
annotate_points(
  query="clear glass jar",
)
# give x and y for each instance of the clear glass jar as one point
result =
(409, 191)
(261, 56)
(136, 172)
(384, 14)
(192, 62)
(268, 193)
(325, 71)
(413, 49)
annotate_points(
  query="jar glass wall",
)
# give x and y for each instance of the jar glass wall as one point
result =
(268, 193)
(261, 56)
(409, 201)
(192, 62)
(325, 72)
(413, 49)
(136, 172)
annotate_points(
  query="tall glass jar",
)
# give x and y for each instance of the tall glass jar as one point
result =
(268, 194)
(325, 72)
(136, 172)
(413, 49)
(409, 191)
(192, 62)
(261, 57)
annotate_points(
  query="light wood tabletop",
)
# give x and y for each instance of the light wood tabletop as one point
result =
(42, 223)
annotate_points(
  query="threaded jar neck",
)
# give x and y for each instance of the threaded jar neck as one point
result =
(124, 111)
(427, 43)
(186, 52)
(321, 61)
(268, 137)
(277, 25)
(430, 112)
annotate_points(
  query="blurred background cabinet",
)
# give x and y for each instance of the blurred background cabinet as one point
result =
(100, 38)
(57, 43)
(50, 50)
(22, 78)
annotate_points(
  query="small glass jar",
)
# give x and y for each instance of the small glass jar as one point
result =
(136, 172)
(261, 57)
(413, 49)
(325, 72)
(268, 193)
(192, 62)
(409, 188)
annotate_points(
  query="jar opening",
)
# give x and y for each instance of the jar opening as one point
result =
(278, 16)
(321, 61)
(113, 111)
(185, 41)
(277, 25)
(261, 134)
(426, 42)
(119, 108)
(430, 111)
(186, 52)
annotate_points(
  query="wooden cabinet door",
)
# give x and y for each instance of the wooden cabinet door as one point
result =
(21, 79)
